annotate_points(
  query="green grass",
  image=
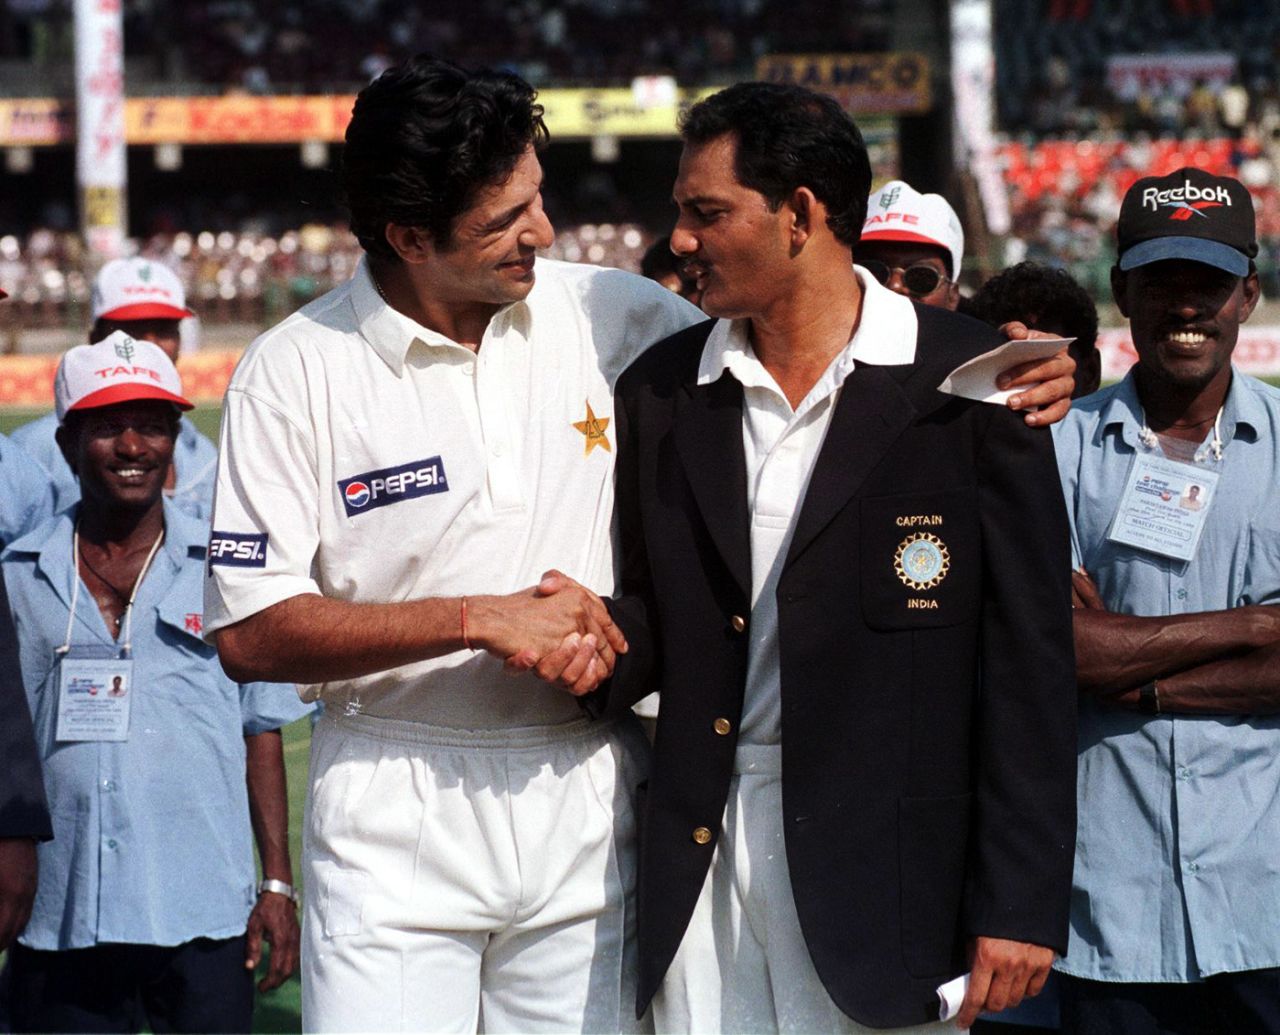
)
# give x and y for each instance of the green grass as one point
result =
(281, 1010)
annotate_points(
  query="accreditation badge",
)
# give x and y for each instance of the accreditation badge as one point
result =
(94, 697)
(1164, 506)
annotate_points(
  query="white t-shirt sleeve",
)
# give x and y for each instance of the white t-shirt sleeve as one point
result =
(266, 509)
(631, 313)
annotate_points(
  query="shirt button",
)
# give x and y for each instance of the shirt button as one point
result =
(723, 726)
(468, 368)
(701, 835)
(108, 785)
(497, 449)
(111, 843)
(738, 623)
(1182, 594)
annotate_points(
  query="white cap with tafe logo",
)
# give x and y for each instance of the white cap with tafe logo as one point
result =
(899, 212)
(138, 289)
(115, 370)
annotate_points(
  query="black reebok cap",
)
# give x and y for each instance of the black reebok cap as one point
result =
(1189, 214)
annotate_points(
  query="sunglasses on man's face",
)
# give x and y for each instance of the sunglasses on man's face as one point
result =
(919, 280)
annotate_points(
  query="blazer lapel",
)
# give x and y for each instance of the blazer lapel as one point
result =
(871, 413)
(708, 435)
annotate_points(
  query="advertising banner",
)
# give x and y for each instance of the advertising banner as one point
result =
(100, 139)
(895, 83)
(1131, 74)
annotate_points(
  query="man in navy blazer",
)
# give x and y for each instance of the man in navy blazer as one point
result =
(851, 592)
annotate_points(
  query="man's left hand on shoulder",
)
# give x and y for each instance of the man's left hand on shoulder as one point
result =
(1001, 974)
(1051, 381)
(274, 920)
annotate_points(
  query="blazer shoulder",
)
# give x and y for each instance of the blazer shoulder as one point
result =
(945, 337)
(944, 340)
(667, 363)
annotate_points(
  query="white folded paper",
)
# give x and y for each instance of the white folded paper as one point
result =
(951, 997)
(976, 379)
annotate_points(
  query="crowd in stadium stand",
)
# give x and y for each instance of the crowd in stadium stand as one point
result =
(1053, 55)
(244, 277)
(285, 46)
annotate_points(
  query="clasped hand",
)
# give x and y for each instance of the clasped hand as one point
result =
(557, 629)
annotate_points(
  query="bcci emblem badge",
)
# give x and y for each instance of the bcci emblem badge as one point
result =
(921, 561)
(125, 349)
(890, 197)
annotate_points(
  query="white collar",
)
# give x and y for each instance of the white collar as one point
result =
(388, 331)
(886, 336)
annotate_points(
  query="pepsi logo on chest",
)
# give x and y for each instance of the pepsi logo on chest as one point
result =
(362, 493)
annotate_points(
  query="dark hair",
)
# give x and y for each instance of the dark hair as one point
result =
(1040, 296)
(789, 137)
(659, 260)
(424, 137)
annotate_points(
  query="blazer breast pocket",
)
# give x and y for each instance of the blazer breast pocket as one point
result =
(920, 557)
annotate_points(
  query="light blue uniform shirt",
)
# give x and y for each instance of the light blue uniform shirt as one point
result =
(195, 457)
(152, 841)
(26, 492)
(1177, 872)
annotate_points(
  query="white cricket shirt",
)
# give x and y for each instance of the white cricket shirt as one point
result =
(781, 447)
(369, 459)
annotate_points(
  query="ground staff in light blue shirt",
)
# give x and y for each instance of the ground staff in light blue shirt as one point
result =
(152, 841)
(195, 461)
(26, 492)
(157, 766)
(1179, 828)
(1172, 483)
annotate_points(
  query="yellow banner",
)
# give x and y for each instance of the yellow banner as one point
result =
(896, 83)
(613, 112)
(35, 122)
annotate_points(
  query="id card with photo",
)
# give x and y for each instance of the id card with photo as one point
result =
(94, 698)
(1164, 506)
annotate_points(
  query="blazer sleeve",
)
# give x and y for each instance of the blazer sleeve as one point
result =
(23, 809)
(1023, 847)
(632, 608)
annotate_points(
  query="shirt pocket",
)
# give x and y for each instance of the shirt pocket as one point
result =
(920, 558)
(1261, 580)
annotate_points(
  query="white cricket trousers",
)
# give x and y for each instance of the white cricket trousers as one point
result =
(461, 881)
(743, 965)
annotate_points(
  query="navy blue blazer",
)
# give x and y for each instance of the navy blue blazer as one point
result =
(928, 731)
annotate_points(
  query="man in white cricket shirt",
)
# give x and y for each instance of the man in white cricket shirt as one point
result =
(436, 431)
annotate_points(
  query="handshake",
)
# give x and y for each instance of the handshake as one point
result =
(558, 629)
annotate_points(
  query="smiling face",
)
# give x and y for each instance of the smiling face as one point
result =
(736, 249)
(489, 257)
(121, 453)
(1185, 318)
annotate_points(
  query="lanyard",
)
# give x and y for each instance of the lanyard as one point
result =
(127, 624)
(1149, 439)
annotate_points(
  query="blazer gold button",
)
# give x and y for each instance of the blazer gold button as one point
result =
(723, 726)
(738, 622)
(701, 835)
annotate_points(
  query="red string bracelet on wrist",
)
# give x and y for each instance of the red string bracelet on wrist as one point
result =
(466, 642)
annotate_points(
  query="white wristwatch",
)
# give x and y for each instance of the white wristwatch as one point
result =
(280, 888)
